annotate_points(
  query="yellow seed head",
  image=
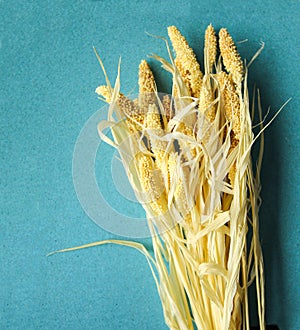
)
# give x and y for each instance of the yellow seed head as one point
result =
(231, 174)
(210, 48)
(205, 103)
(172, 163)
(171, 166)
(158, 147)
(231, 58)
(153, 118)
(167, 107)
(147, 86)
(179, 193)
(186, 62)
(185, 129)
(232, 170)
(231, 108)
(146, 78)
(145, 168)
(231, 102)
(132, 112)
(158, 202)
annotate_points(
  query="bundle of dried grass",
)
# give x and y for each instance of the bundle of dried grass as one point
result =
(188, 159)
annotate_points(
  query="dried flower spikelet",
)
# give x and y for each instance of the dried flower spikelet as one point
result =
(206, 106)
(169, 112)
(210, 48)
(186, 62)
(145, 170)
(146, 78)
(231, 102)
(147, 86)
(185, 129)
(181, 200)
(172, 164)
(104, 92)
(153, 118)
(231, 174)
(231, 106)
(158, 147)
(135, 102)
(231, 58)
(158, 202)
(179, 193)
(232, 171)
(131, 111)
(206, 114)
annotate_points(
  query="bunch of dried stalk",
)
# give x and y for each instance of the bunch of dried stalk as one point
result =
(188, 159)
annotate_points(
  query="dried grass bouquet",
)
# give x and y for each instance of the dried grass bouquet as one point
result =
(188, 159)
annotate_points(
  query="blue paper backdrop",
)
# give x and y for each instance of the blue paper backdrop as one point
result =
(47, 80)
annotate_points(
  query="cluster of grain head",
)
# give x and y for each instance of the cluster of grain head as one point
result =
(183, 140)
(218, 91)
(216, 97)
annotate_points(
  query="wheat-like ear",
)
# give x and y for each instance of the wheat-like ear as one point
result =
(210, 49)
(186, 62)
(231, 58)
(231, 102)
(146, 78)
(134, 116)
(151, 182)
(158, 147)
(168, 107)
(147, 87)
(207, 104)
(232, 111)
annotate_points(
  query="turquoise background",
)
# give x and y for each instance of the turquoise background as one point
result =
(47, 80)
